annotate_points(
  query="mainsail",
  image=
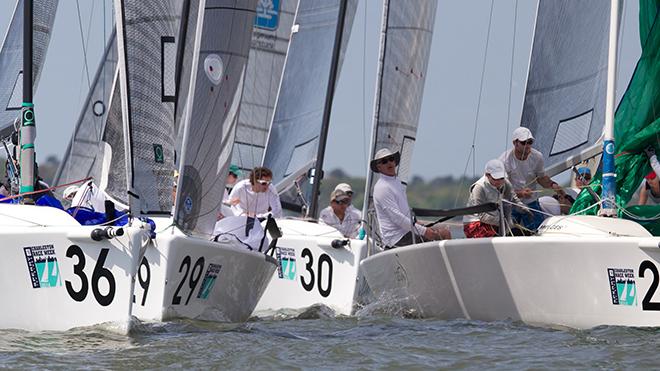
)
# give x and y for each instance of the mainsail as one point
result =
(220, 40)
(146, 32)
(565, 98)
(11, 59)
(85, 154)
(270, 40)
(294, 135)
(405, 46)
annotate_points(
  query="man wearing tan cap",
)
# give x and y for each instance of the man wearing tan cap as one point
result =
(392, 209)
(349, 191)
(339, 217)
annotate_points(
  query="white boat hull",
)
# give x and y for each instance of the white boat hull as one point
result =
(310, 271)
(557, 279)
(188, 277)
(55, 277)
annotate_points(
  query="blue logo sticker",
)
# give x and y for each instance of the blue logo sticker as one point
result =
(622, 286)
(286, 259)
(268, 12)
(42, 266)
(211, 275)
(188, 204)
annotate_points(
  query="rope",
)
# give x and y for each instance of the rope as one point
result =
(44, 190)
(513, 52)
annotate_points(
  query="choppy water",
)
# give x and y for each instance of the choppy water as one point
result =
(318, 340)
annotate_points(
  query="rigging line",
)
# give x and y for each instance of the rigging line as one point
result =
(82, 40)
(513, 53)
(364, 87)
(472, 154)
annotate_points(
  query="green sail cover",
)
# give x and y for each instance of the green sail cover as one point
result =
(636, 126)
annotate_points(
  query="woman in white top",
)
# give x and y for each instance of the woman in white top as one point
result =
(256, 196)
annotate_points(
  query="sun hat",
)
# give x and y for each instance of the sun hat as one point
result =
(381, 154)
(521, 134)
(344, 187)
(496, 169)
(234, 169)
(70, 192)
(338, 195)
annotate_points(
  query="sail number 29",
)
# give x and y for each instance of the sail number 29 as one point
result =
(647, 304)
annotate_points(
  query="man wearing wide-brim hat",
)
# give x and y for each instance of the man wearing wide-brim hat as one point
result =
(391, 203)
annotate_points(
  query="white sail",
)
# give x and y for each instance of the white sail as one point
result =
(294, 135)
(11, 59)
(405, 46)
(565, 98)
(146, 31)
(270, 41)
(85, 154)
(215, 71)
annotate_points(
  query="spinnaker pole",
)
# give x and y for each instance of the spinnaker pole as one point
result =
(609, 171)
(318, 167)
(28, 131)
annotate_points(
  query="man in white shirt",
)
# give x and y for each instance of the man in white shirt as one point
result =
(256, 196)
(338, 216)
(525, 169)
(391, 203)
(349, 191)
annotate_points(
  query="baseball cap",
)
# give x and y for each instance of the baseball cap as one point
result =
(584, 171)
(344, 187)
(496, 169)
(70, 192)
(338, 195)
(234, 169)
(521, 134)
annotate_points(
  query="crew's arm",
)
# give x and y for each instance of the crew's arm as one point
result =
(394, 214)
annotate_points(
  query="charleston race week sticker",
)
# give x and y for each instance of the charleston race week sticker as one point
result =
(622, 286)
(42, 266)
(211, 275)
(286, 257)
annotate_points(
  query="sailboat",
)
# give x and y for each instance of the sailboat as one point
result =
(579, 271)
(57, 273)
(317, 265)
(182, 272)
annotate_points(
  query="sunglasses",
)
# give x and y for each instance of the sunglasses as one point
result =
(349, 194)
(385, 160)
(342, 202)
(264, 182)
(528, 142)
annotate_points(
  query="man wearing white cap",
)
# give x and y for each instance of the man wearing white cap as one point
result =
(492, 187)
(525, 168)
(346, 188)
(391, 203)
(338, 216)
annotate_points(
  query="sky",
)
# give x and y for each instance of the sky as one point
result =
(472, 38)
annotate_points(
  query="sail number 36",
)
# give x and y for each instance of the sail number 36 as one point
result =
(100, 272)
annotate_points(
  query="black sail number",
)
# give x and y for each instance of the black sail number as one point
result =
(309, 286)
(144, 281)
(100, 272)
(647, 304)
(195, 276)
(324, 260)
(80, 295)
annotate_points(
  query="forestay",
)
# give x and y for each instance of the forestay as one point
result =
(220, 40)
(146, 37)
(97, 145)
(11, 59)
(405, 46)
(270, 40)
(565, 98)
(294, 135)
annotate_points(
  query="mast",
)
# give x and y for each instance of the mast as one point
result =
(318, 167)
(609, 172)
(27, 131)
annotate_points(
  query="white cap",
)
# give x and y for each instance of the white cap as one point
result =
(338, 195)
(549, 205)
(70, 192)
(496, 169)
(344, 187)
(521, 134)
